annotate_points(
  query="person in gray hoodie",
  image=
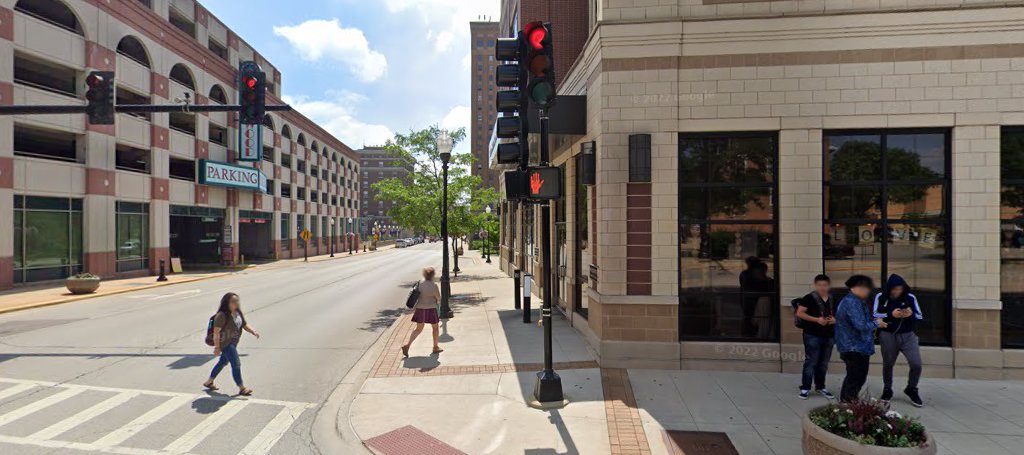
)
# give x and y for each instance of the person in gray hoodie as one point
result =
(899, 308)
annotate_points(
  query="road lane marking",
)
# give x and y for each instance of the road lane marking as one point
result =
(274, 430)
(140, 423)
(158, 393)
(14, 390)
(83, 446)
(63, 426)
(38, 405)
(208, 426)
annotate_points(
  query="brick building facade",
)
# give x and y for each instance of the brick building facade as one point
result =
(378, 164)
(482, 90)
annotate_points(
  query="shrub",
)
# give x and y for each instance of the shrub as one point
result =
(869, 422)
(85, 276)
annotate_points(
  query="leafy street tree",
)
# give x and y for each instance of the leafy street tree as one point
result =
(418, 198)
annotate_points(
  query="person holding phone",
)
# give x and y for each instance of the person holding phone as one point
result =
(901, 311)
(816, 313)
(855, 335)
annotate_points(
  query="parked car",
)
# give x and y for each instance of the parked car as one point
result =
(401, 243)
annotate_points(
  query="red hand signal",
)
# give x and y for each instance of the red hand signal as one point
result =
(536, 183)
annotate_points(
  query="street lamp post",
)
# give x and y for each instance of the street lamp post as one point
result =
(334, 236)
(487, 241)
(444, 148)
(350, 237)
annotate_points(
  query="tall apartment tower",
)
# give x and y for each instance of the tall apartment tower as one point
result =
(483, 35)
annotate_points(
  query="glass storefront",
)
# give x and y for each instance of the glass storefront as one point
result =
(886, 211)
(727, 237)
(47, 238)
(1011, 240)
(286, 232)
(132, 236)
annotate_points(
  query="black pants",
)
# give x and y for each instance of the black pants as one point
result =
(856, 374)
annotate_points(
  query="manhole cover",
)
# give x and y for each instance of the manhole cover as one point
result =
(409, 440)
(699, 442)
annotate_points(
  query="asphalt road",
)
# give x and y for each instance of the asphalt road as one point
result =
(123, 374)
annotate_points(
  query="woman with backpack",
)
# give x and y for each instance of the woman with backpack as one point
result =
(227, 325)
(425, 310)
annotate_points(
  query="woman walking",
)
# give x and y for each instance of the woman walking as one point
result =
(425, 310)
(228, 325)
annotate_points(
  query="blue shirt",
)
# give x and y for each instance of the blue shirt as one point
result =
(855, 327)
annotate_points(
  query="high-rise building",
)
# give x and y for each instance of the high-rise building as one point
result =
(378, 164)
(117, 201)
(482, 35)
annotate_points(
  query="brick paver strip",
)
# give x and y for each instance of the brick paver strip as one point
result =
(389, 364)
(409, 440)
(625, 430)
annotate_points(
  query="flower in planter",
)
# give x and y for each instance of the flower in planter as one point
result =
(870, 422)
(85, 276)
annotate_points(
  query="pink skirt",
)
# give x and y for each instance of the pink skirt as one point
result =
(426, 316)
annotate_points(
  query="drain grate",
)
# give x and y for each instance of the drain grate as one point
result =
(409, 440)
(699, 442)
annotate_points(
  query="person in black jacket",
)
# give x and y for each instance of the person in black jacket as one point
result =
(816, 314)
(899, 308)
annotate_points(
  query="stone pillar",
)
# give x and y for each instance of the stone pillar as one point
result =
(976, 293)
(6, 149)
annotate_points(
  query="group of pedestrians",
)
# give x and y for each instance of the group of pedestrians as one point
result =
(850, 326)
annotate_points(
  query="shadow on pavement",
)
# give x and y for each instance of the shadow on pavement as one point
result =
(422, 363)
(211, 405)
(184, 360)
(383, 319)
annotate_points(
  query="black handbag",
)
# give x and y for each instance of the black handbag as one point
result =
(414, 296)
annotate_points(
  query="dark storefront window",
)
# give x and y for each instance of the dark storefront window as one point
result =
(47, 238)
(727, 237)
(1011, 239)
(286, 231)
(132, 236)
(886, 207)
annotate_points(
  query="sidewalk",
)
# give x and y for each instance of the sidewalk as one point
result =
(472, 397)
(34, 296)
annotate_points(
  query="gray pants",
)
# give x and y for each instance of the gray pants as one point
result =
(892, 345)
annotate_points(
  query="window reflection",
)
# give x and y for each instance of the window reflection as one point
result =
(1011, 238)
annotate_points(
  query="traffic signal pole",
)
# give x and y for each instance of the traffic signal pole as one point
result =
(548, 387)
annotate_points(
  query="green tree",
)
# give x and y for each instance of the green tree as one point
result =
(861, 161)
(418, 198)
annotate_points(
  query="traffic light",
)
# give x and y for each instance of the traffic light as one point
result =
(544, 183)
(540, 64)
(100, 96)
(511, 104)
(252, 92)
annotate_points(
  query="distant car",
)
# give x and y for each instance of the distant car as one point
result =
(401, 243)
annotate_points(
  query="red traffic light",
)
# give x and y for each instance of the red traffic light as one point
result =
(94, 80)
(535, 34)
(250, 82)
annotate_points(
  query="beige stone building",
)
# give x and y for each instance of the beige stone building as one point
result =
(117, 200)
(744, 146)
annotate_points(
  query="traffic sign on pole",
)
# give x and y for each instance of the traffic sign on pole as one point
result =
(250, 142)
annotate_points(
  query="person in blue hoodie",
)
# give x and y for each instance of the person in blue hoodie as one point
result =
(898, 307)
(855, 335)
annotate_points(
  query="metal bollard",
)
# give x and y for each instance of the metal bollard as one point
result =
(163, 276)
(527, 284)
(517, 282)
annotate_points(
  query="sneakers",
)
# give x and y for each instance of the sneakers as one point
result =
(886, 395)
(915, 398)
(804, 394)
(825, 393)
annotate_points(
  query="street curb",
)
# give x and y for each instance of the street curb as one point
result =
(329, 418)
(121, 291)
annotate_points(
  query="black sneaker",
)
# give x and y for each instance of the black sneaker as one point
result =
(804, 394)
(826, 393)
(886, 395)
(915, 398)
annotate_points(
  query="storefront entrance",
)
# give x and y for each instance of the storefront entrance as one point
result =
(255, 236)
(196, 234)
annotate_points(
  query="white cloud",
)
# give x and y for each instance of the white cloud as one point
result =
(336, 113)
(467, 61)
(317, 39)
(451, 16)
(443, 42)
(458, 117)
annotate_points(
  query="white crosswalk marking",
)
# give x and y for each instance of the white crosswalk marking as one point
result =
(38, 405)
(112, 442)
(59, 428)
(189, 440)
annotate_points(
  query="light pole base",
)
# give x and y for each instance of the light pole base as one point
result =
(548, 388)
(547, 406)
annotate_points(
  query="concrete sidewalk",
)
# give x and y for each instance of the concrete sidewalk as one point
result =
(472, 397)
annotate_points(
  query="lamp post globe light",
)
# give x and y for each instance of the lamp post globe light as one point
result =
(334, 237)
(444, 149)
(351, 237)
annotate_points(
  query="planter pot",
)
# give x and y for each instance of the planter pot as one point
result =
(817, 441)
(80, 286)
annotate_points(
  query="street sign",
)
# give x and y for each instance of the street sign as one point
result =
(250, 142)
(305, 235)
(544, 183)
(224, 174)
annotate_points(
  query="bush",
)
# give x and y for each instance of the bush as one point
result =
(869, 422)
(85, 276)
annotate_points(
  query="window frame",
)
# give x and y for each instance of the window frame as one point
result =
(1019, 219)
(884, 222)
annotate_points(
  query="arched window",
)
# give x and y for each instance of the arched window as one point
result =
(268, 122)
(325, 154)
(55, 12)
(132, 48)
(181, 74)
(334, 157)
(217, 94)
(286, 132)
(302, 139)
(314, 146)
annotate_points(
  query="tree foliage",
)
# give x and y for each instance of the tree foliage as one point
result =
(862, 161)
(418, 198)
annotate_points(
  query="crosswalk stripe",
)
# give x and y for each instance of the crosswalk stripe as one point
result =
(205, 428)
(273, 431)
(82, 446)
(14, 390)
(250, 400)
(59, 428)
(38, 405)
(140, 423)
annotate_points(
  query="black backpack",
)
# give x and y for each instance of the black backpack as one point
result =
(209, 331)
(414, 296)
(799, 323)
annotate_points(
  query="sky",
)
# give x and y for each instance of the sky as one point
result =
(366, 69)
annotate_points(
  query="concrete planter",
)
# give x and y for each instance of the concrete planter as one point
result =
(82, 285)
(817, 441)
